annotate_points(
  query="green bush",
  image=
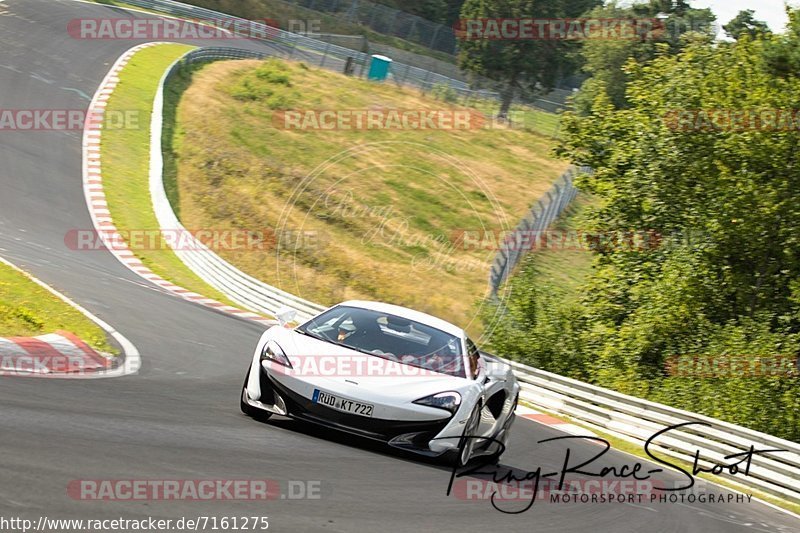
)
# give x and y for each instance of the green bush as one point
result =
(724, 281)
(272, 71)
(445, 93)
(267, 83)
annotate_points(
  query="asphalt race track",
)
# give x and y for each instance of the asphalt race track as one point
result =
(179, 417)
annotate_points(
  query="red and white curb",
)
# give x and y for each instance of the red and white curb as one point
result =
(62, 354)
(526, 412)
(59, 352)
(98, 206)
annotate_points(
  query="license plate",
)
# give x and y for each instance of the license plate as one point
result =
(342, 404)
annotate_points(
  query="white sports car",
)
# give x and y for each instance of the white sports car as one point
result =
(387, 373)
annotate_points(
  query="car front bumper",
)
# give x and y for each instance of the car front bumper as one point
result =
(412, 435)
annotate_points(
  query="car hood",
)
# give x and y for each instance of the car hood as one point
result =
(331, 366)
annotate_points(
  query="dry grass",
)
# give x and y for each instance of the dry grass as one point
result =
(383, 205)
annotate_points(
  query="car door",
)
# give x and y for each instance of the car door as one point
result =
(494, 391)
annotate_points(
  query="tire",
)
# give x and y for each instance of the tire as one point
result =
(248, 409)
(473, 422)
(460, 459)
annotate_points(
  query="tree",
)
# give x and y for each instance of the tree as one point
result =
(604, 59)
(745, 23)
(670, 163)
(783, 51)
(453, 11)
(706, 153)
(435, 10)
(533, 65)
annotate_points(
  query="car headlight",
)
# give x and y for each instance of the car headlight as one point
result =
(274, 353)
(448, 401)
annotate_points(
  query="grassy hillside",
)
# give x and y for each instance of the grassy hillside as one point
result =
(382, 206)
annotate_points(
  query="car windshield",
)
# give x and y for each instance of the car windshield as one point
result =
(390, 337)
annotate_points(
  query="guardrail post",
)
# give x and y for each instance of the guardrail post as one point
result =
(547, 201)
(405, 74)
(425, 81)
(324, 55)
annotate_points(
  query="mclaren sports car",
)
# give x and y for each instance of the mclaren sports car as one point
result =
(385, 372)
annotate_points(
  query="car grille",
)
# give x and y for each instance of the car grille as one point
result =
(374, 428)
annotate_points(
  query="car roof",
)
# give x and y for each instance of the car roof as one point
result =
(405, 312)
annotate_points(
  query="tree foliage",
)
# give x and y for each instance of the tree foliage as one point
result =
(726, 278)
(533, 65)
(605, 59)
(745, 23)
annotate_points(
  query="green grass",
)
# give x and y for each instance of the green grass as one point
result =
(565, 271)
(27, 309)
(125, 157)
(378, 212)
(522, 116)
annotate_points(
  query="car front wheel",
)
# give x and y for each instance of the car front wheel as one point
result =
(248, 409)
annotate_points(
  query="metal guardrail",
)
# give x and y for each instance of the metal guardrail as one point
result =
(241, 288)
(327, 54)
(216, 54)
(626, 417)
(293, 42)
(636, 420)
(538, 219)
(387, 20)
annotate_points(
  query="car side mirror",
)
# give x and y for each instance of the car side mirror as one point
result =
(285, 315)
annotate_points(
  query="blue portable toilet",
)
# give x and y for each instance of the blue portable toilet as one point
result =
(379, 68)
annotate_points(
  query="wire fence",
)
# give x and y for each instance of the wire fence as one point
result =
(333, 56)
(389, 21)
(302, 45)
(538, 219)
